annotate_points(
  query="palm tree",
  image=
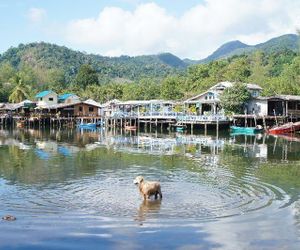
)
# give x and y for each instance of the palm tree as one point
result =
(19, 93)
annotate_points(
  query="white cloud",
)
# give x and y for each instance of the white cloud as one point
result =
(196, 33)
(36, 15)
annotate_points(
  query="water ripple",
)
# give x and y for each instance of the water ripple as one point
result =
(201, 196)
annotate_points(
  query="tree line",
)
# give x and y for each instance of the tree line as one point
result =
(276, 73)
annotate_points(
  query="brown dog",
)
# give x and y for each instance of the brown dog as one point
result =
(148, 188)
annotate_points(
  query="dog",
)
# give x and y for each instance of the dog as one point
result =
(148, 188)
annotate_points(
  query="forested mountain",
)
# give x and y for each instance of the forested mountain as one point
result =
(47, 56)
(277, 44)
(226, 49)
(27, 69)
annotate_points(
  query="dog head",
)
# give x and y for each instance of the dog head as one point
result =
(138, 180)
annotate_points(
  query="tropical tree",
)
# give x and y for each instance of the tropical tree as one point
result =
(238, 70)
(86, 76)
(171, 88)
(234, 98)
(6, 72)
(19, 93)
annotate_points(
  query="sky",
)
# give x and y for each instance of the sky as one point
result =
(187, 28)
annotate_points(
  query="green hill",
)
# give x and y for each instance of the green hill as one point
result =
(226, 49)
(233, 48)
(50, 56)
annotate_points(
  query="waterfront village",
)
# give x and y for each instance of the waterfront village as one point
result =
(50, 109)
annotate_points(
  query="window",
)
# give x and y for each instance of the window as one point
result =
(41, 98)
(255, 93)
(80, 108)
(50, 99)
(91, 109)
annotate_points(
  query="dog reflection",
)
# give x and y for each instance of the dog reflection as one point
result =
(146, 208)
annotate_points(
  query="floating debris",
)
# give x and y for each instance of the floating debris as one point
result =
(9, 217)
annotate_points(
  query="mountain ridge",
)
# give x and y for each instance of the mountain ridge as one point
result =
(51, 56)
(233, 48)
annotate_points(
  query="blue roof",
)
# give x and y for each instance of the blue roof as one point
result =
(65, 96)
(43, 93)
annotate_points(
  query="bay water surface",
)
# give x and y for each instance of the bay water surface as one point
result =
(72, 189)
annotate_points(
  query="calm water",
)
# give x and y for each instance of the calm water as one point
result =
(74, 190)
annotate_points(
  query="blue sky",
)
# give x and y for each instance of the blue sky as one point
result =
(187, 28)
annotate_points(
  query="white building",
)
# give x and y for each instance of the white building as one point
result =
(208, 102)
(46, 98)
(258, 106)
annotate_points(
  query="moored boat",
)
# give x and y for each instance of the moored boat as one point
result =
(87, 125)
(180, 128)
(246, 130)
(286, 128)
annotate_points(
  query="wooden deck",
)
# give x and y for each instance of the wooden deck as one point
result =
(170, 117)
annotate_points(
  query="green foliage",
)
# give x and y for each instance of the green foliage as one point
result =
(171, 88)
(202, 76)
(145, 89)
(45, 56)
(43, 66)
(178, 108)
(86, 76)
(234, 98)
(19, 93)
(5, 91)
(238, 70)
(56, 80)
(192, 109)
(7, 72)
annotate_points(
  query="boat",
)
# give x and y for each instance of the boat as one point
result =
(180, 128)
(246, 130)
(87, 125)
(286, 128)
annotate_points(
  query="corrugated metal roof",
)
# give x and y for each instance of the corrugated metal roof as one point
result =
(65, 96)
(64, 105)
(14, 106)
(145, 102)
(282, 97)
(44, 93)
(253, 86)
(225, 84)
(93, 102)
(288, 97)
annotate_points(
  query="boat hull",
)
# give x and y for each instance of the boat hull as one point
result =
(287, 128)
(245, 130)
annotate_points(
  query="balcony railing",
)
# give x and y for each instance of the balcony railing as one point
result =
(179, 116)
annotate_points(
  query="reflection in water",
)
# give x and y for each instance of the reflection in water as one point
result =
(67, 143)
(219, 184)
(148, 207)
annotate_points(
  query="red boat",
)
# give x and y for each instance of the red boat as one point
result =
(287, 128)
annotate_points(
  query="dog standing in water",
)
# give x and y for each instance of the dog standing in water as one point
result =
(148, 188)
